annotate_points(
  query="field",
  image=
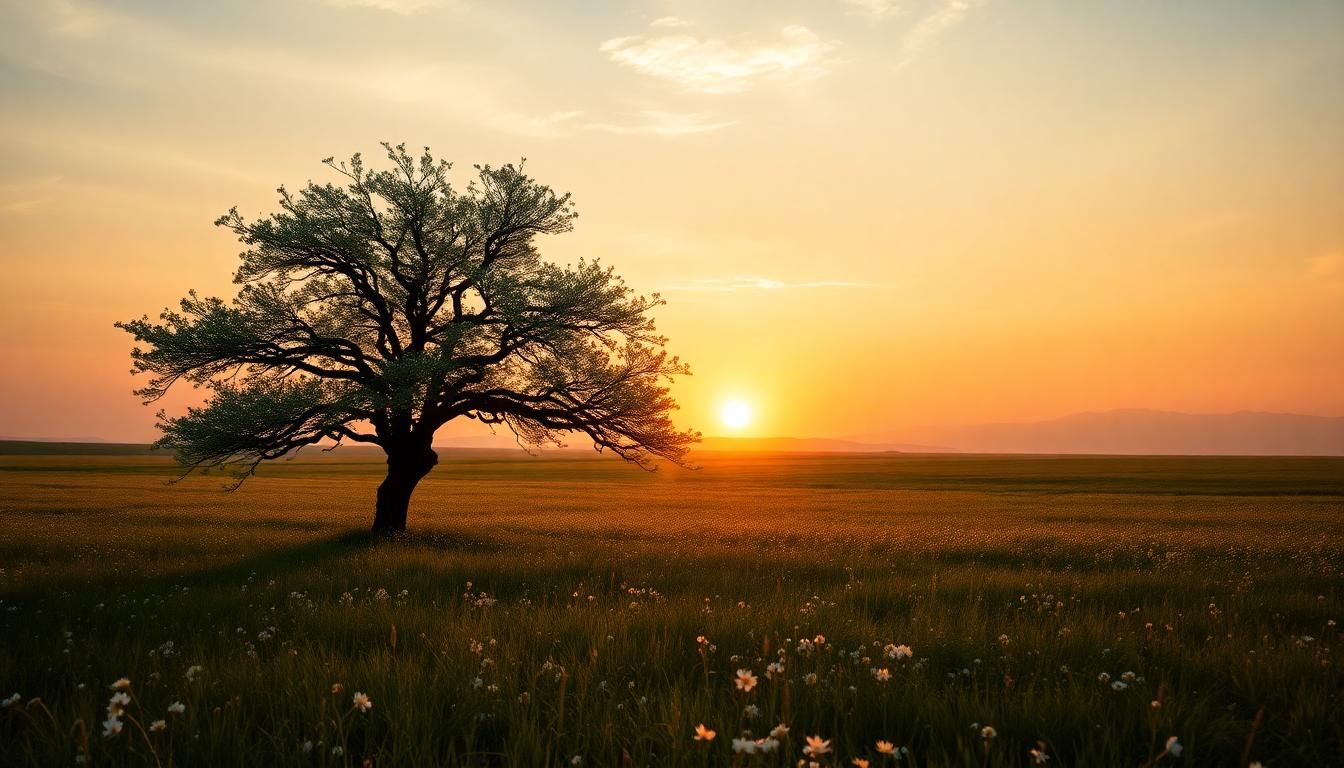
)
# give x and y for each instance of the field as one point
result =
(572, 610)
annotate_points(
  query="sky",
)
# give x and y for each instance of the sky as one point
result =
(863, 214)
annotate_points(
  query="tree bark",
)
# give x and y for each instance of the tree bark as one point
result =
(405, 468)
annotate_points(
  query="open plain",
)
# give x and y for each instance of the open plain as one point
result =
(569, 609)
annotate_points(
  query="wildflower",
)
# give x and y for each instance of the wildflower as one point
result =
(477, 682)
(1174, 747)
(308, 746)
(117, 704)
(988, 732)
(859, 762)
(1157, 704)
(524, 698)
(894, 651)
(11, 701)
(362, 701)
(177, 708)
(1104, 677)
(120, 685)
(337, 751)
(752, 711)
(885, 747)
(745, 680)
(111, 727)
(817, 746)
(774, 668)
(744, 746)
(336, 688)
(779, 731)
(1038, 756)
(820, 639)
(882, 675)
(766, 746)
(576, 760)
(703, 734)
(1004, 640)
(1128, 677)
(158, 726)
(811, 678)
(1118, 686)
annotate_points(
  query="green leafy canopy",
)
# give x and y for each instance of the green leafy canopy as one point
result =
(381, 309)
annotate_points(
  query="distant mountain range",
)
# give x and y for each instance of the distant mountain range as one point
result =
(1136, 431)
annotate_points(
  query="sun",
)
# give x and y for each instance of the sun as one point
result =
(735, 414)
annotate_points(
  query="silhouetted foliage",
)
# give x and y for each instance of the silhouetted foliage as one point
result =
(380, 310)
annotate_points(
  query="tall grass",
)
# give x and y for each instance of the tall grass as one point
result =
(544, 612)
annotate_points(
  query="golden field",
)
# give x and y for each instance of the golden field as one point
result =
(573, 610)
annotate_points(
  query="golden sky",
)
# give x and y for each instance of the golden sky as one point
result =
(864, 214)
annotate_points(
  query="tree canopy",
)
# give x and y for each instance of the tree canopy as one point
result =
(380, 309)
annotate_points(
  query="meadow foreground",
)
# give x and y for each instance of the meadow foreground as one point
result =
(900, 610)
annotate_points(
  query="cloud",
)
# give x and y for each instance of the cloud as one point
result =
(722, 66)
(671, 21)
(123, 50)
(658, 123)
(76, 20)
(399, 7)
(945, 15)
(542, 126)
(21, 198)
(724, 285)
(873, 8)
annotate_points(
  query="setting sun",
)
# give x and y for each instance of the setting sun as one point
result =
(735, 414)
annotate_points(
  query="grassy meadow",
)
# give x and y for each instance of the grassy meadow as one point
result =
(568, 610)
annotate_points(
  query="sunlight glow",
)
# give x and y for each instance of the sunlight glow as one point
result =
(735, 414)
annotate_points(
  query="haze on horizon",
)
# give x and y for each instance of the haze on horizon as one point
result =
(864, 214)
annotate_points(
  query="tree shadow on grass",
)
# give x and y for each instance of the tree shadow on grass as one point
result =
(278, 562)
(272, 562)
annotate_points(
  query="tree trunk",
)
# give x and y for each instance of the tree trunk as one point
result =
(405, 468)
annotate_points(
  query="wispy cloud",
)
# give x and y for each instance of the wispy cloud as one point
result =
(874, 8)
(76, 20)
(715, 65)
(727, 285)
(658, 123)
(144, 49)
(671, 21)
(552, 125)
(944, 15)
(400, 7)
(20, 198)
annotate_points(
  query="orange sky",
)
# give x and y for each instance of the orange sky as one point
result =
(863, 214)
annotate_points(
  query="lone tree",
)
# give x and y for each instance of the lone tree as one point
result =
(380, 310)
